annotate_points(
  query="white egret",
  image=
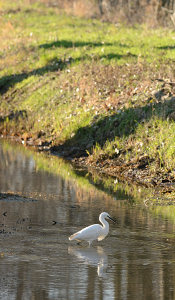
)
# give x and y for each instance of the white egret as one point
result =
(93, 232)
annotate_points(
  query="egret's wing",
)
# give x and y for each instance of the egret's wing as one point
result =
(91, 232)
(88, 233)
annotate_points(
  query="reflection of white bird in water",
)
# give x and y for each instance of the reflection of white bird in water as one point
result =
(94, 257)
(93, 232)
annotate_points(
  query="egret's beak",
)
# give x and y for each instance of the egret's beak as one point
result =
(112, 219)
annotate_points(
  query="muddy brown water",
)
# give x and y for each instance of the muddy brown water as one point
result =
(41, 210)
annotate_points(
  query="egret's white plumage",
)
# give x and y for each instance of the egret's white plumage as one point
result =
(93, 232)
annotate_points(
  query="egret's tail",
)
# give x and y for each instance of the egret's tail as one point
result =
(72, 237)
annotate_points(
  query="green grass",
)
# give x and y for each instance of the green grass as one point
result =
(160, 136)
(47, 35)
(87, 83)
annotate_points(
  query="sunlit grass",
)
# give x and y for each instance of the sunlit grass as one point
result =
(160, 137)
(46, 34)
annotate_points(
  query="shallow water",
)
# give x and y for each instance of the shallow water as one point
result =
(136, 260)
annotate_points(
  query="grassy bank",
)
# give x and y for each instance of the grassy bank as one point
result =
(89, 89)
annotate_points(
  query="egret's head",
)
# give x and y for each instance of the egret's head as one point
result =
(105, 215)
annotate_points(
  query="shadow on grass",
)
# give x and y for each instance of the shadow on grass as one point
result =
(54, 65)
(166, 47)
(116, 56)
(14, 116)
(121, 124)
(10, 80)
(71, 44)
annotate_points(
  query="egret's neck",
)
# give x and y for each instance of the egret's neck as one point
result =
(104, 222)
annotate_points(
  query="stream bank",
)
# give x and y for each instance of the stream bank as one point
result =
(100, 95)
